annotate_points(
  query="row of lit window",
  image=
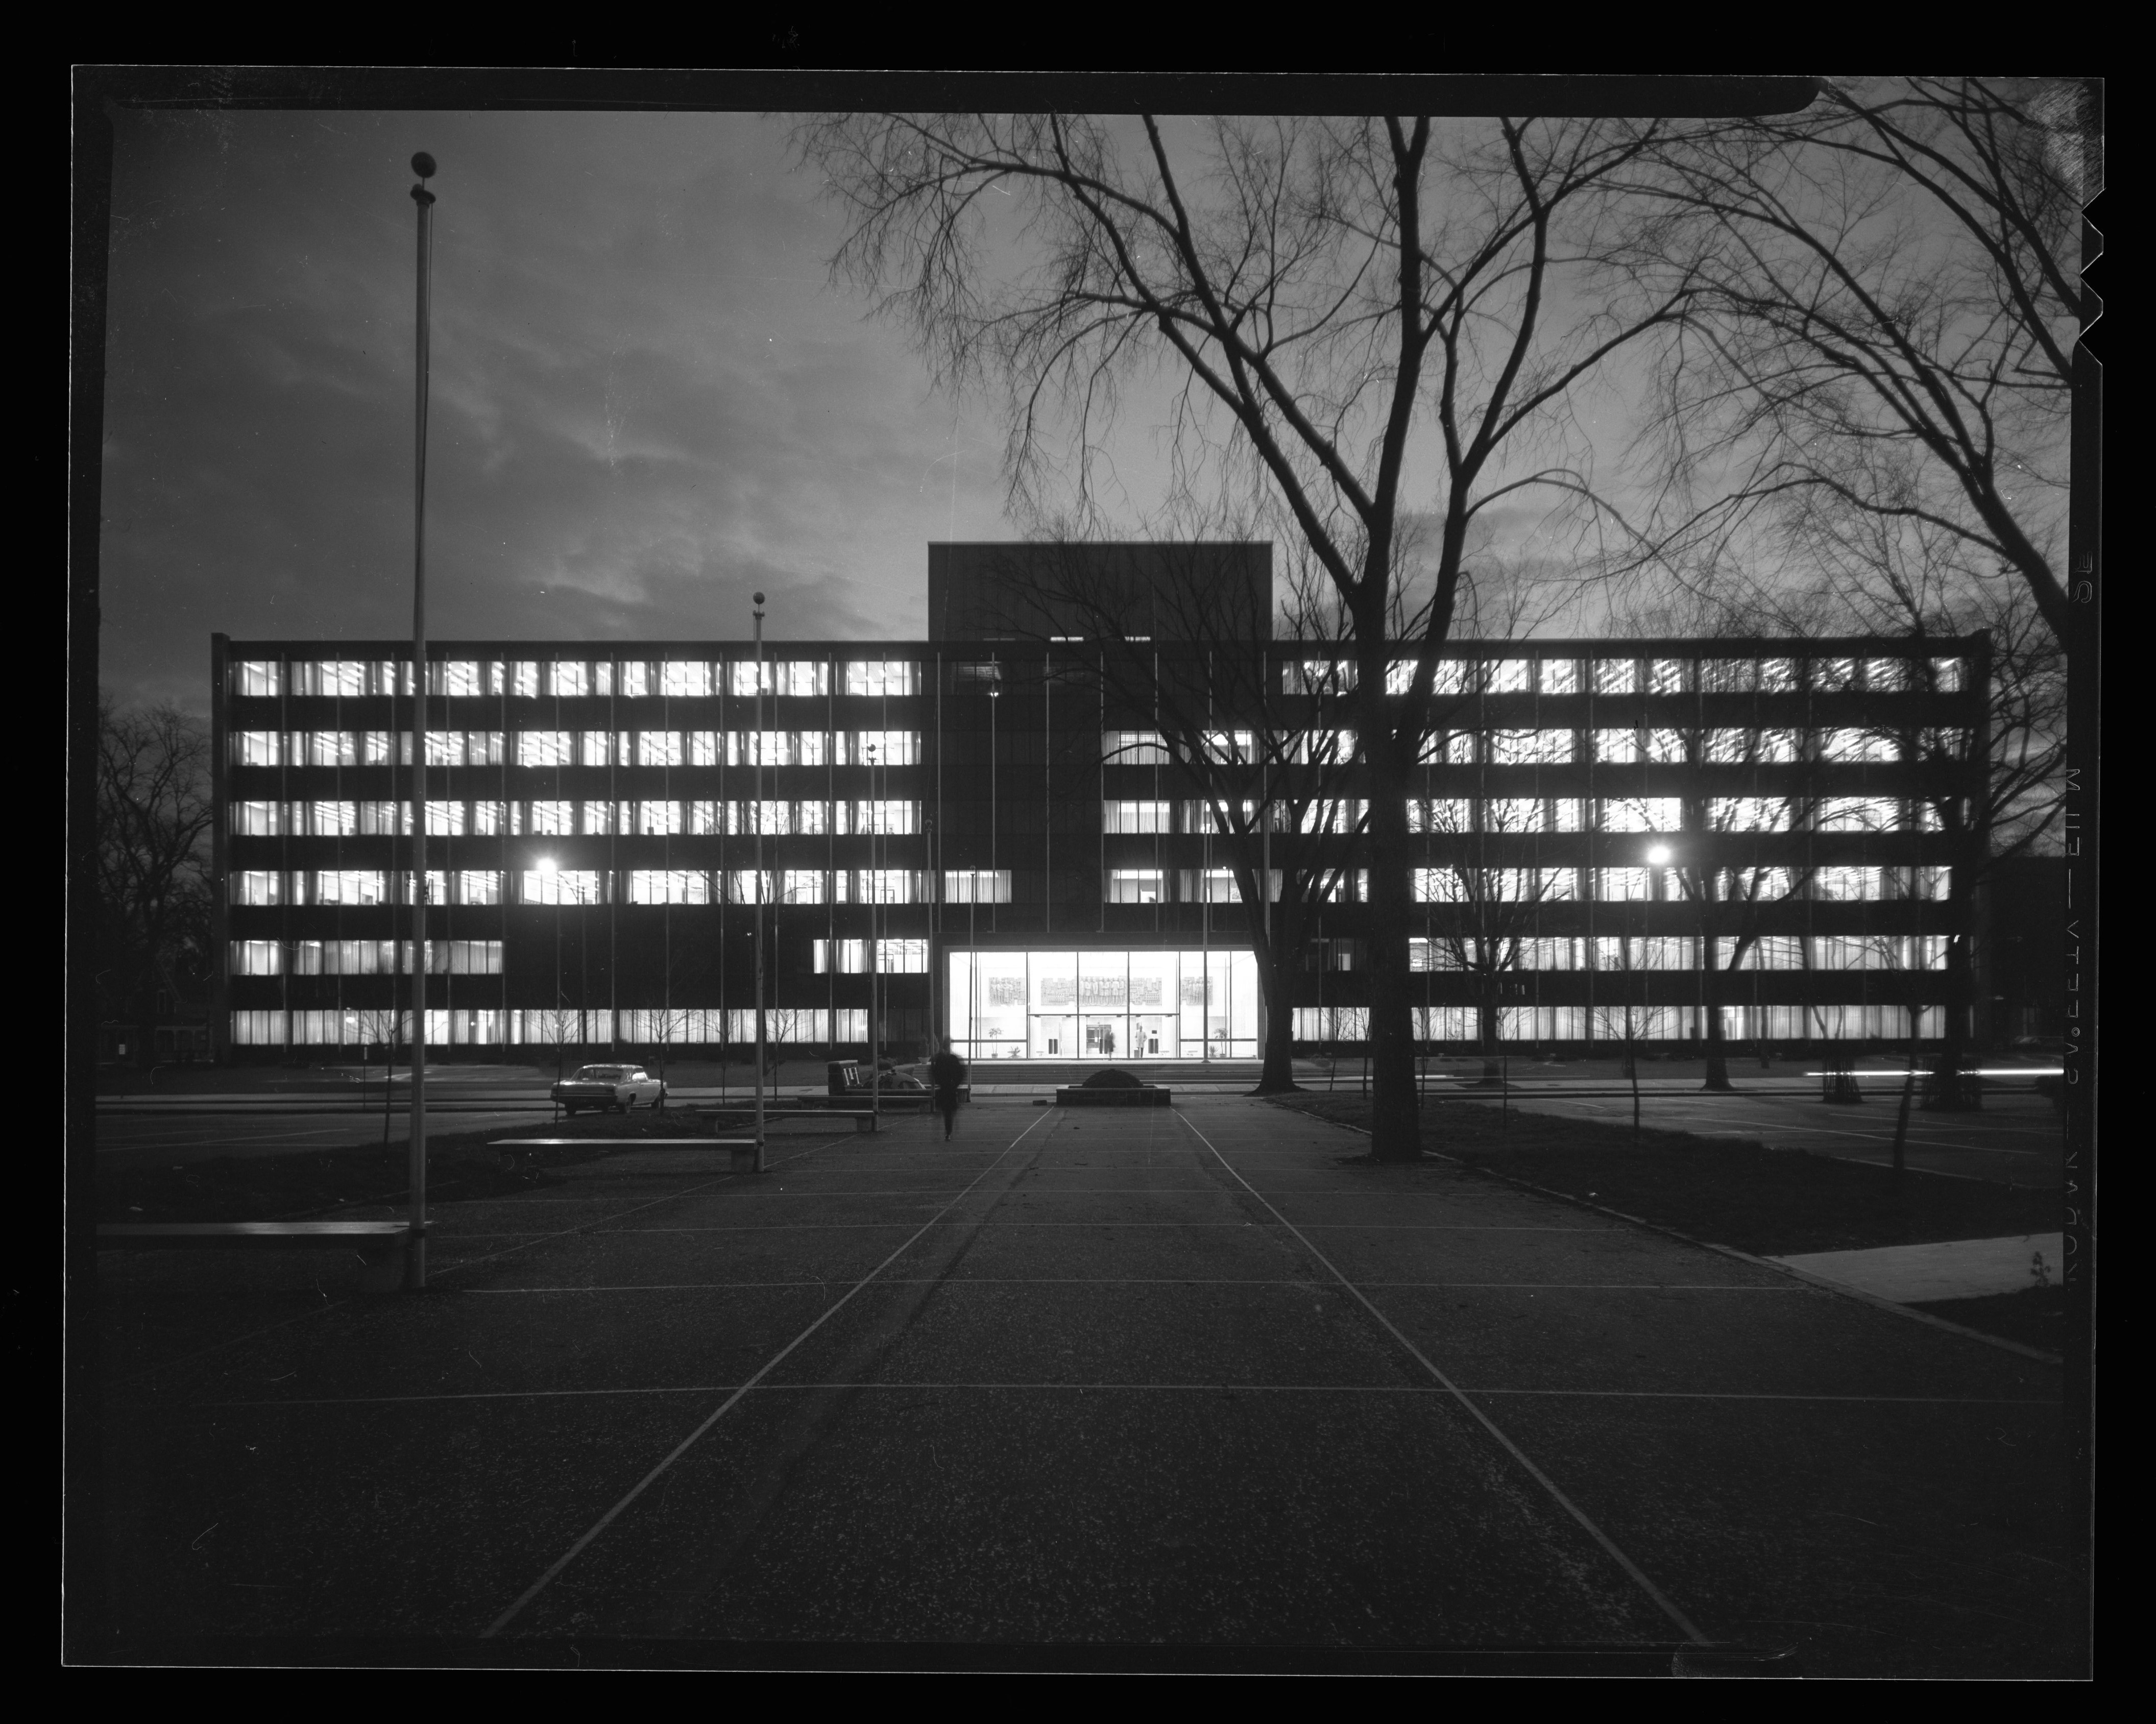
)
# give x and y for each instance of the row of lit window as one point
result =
(1531, 814)
(365, 886)
(1626, 1022)
(1722, 746)
(1719, 745)
(1493, 886)
(572, 748)
(547, 819)
(1632, 676)
(362, 957)
(595, 1029)
(354, 679)
(1778, 952)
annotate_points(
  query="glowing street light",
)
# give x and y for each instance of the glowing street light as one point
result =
(1659, 855)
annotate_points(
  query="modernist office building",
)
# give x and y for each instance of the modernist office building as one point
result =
(985, 832)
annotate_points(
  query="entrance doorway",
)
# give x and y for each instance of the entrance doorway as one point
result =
(1101, 1040)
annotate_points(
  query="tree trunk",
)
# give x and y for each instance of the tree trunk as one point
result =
(1717, 1046)
(1486, 1026)
(1395, 1112)
(1277, 979)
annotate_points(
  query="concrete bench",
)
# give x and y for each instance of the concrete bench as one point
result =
(380, 1245)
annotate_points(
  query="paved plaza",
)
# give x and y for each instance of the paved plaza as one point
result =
(1080, 1378)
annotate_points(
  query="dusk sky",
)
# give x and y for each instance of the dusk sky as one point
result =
(647, 401)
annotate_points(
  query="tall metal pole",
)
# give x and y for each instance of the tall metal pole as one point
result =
(415, 1249)
(755, 894)
(876, 952)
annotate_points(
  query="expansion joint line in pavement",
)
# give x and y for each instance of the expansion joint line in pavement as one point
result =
(1610, 1546)
(731, 1401)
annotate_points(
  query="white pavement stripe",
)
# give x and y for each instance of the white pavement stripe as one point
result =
(1164, 1281)
(1435, 1390)
(1638, 1576)
(732, 1400)
(967, 1220)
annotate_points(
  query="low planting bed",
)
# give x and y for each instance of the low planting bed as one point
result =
(1773, 1202)
(1113, 1089)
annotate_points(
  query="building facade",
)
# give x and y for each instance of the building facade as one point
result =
(988, 838)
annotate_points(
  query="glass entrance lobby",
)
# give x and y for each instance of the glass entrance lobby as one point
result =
(1107, 1006)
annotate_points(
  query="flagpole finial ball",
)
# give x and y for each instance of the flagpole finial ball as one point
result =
(758, 598)
(422, 164)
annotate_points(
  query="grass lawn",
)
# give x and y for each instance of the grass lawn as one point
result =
(1771, 1201)
(308, 1187)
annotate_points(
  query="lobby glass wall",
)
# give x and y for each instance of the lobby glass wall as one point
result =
(1104, 1005)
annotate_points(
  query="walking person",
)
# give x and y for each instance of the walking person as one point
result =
(947, 1071)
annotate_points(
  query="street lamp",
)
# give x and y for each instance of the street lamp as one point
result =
(415, 1251)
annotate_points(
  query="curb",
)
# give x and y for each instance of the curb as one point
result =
(1816, 1280)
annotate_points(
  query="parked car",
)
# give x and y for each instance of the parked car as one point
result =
(602, 1087)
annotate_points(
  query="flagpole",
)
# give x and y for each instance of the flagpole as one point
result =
(415, 1249)
(757, 894)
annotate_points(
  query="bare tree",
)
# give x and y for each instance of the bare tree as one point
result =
(1883, 302)
(1360, 315)
(153, 888)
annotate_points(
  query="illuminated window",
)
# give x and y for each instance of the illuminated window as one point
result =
(446, 817)
(1318, 677)
(257, 748)
(846, 957)
(882, 677)
(1621, 886)
(598, 817)
(258, 677)
(680, 677)
(258, 819)
(347, 885)
(887, 885)
(659, 748)
(1850, 744)
(1559, 676)
(1669, 676)
(669, 885)
(1135, 816)
(890, 817)
(560, 885)
(1134, 748)
(768, 748)
(902, 958)
(572, 679)
(255, 957)
(1643, 814)
(542, 748)
(879, 748)
(1617, 747)
(977, 886)
(1748, 814)
(801, 885)
(1136, 886)
(1511, 676)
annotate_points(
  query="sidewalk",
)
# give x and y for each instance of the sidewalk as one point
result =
(1954, 1269)
(1188, 1377)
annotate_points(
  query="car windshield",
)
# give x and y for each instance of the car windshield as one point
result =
(600, 1075)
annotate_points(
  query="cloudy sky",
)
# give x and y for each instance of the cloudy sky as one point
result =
(647, 401)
